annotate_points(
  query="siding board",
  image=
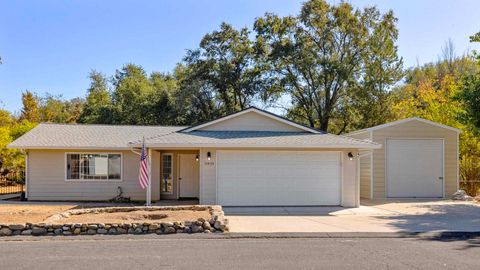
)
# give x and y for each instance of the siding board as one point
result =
(47, 178)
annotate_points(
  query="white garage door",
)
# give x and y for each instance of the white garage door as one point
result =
(256, 178)
(414, 168)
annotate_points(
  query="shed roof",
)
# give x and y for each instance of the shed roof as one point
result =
(402, 121)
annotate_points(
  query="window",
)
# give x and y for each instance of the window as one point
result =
(94, 167)
(166, 184)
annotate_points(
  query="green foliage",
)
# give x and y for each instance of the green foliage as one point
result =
(224, 65)
(441, 92)
(470, 94)
(11, 129)
(333, 61)
(97, 108)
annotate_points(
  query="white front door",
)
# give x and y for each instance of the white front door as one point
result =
(268, 178)
(188, 175)
(414, 168)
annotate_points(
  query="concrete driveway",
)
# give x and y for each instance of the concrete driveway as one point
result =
(372, 216)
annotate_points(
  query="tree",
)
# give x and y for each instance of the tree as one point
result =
(97, 109)
(194, 101)
(431, 92)
(161, 99)
(130, 97)
(470, 94)
(329, 59)
(30, 110)
(225, 64)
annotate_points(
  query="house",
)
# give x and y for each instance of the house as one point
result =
(418, 159)
(249, 158)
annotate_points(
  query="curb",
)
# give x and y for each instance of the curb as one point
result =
(440, 236)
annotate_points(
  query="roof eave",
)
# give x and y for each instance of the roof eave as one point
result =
(55, 147)
(229, 145)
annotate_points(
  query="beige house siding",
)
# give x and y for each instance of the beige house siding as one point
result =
(46, 178)
(251, 121)
(350, 180)
(365, 175)
(415, 129)
(208, 170)
(208, 177)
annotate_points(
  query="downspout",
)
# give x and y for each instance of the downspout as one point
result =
(26, 173)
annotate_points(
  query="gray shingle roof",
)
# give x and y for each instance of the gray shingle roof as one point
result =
(72, 136)
(65, 136)
(254, 139)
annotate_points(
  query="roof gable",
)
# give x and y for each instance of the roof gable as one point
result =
(252, 119)
(403, 121)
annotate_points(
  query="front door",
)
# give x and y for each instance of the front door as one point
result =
(188, 175)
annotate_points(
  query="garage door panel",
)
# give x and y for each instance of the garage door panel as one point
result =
(414, 168)
(278, 178)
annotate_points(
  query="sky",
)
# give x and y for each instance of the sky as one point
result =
(51, 46)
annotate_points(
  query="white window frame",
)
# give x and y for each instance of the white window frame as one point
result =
(161, 173)
(93, 180)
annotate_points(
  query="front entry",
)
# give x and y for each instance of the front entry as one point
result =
(188, 176)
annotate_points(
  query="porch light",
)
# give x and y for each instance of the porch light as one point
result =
(350, 156)
(196, 158)
(209, 156)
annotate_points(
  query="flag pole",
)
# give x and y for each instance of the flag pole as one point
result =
(149, 186)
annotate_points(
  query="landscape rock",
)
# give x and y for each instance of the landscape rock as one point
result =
(26, 232)
(91, 232)
(38, 231)
(206, 225)
(121, 230)
(196, 229)
(153, 227)
(5, 232)
(16, 226)
(461, 195)
(170, 230)
(102, 231)
(167, 224)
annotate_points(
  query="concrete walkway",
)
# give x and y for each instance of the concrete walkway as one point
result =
(372, 216)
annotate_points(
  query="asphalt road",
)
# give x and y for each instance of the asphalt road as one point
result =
(244, 253)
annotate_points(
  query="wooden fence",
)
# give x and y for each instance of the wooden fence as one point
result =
(472, 187)
(11, 183)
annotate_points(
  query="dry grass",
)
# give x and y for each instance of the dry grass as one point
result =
(38, 213)
(11, 213)
(138, 216)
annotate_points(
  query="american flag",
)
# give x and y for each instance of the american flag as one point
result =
(143, 175)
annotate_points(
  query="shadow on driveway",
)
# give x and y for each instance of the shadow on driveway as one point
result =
(426, 217)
